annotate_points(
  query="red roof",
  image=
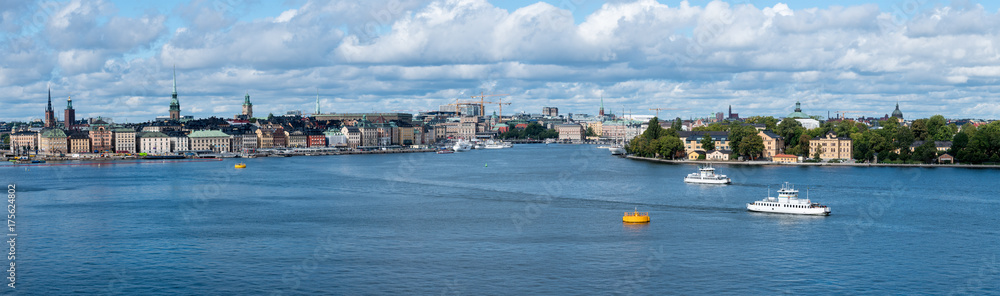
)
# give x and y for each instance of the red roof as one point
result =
(784, 155)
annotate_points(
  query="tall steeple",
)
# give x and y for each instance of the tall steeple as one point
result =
(317, 101)
(69, 115)
(50, 116)
(247, 106)
(601, 113)
(175, 106)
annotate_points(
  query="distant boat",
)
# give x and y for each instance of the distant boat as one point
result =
(616, 150)
(240, 165)
(445, 151)
(462, 146)
(788, 202)
(706, 175)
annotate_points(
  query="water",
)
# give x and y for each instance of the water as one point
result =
(534, 219)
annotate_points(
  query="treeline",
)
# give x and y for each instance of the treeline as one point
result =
(532, 131)
(659, 142)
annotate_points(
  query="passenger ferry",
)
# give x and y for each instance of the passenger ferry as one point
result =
(462, 146)
(706, 175)
(788, 202)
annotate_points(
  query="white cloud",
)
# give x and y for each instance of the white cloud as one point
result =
(416, 54)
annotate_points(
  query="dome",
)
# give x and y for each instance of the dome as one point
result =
(798, 112)
(896, 113)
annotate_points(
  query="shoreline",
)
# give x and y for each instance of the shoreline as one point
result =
(766, 163)
(61, 160)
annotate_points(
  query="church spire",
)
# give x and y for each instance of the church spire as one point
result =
(175, 105)
(175, 82)
(49, 108)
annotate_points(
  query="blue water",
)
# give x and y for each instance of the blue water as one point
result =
(534, 219)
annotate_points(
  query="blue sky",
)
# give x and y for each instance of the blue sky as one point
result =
(114, 57)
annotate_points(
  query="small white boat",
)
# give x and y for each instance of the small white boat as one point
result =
(617, 150)
(462, 146)
(706, 175)
(788, 202)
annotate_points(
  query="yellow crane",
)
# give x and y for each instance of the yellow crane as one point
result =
(658, 110)
(482, 101)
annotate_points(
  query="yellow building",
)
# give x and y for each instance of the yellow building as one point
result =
(785, 158)
(692, 140)
(773, 143)
(831, 147)
(53, 141)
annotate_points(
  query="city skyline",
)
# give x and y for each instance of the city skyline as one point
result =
(759, 56)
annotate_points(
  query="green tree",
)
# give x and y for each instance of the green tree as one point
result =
(752, 146)
(818, 154)
(924, 153)
(653, 130)
(270, 116)
(669, 146)
(677, 124)
(919, 128)
(707, 143)
(737, 133)
(789, 129)
(769, 122)
(590, 132)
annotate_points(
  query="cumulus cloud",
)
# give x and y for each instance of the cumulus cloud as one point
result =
(417, 54)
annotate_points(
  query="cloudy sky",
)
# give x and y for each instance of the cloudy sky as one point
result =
(115, 57)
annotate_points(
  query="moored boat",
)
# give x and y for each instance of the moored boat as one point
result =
(788, 202)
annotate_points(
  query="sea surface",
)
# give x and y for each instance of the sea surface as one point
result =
(531, 220)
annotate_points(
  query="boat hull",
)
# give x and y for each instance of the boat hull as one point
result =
(725, 181)
(815, 211)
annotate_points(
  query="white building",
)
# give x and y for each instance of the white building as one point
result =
(154, 143)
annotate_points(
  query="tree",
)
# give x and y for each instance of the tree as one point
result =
(669, 146)
(738, 132)
(653, 131)
(924, 153)
(919, 128)
(707, 143)
(677, 124)
(818, 154)
(590, 132)
(789, 129)
(752, 146)
(270, 116)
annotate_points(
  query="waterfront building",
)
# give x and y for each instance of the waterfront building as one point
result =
(125, 140)
(69, 115)
(178, 141)
(598, 127)
(245, 142)
(50, 116)
(79, 142)
(154, 143)
(718, 154)
(831, 147)
(571, 132)
(265, 138)
(695, 155)
(53, 141)
(622, 129)
(785, 158)
(101, 137)
(946, 159)
(335, 138)
(296, 139)
(692, 140)
(353, 135)
(315, 138)
(214, 140)
(175, 105)
(773, 143)
(247, 106)
(278, 137)
(24, 142)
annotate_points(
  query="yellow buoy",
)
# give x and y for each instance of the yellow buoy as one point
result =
(636, 217)
(241, 165)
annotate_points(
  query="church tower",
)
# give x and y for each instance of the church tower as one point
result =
(601, 113)
(175, 106)
(69, 114)
(50, 116)
(317, 102)
(247, 106)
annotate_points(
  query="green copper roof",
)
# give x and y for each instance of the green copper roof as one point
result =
(53, 133)
(208, 134)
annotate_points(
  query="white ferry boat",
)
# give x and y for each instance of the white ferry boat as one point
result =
(706, 175)
(497, 145)
(462, 146)
(788, 202)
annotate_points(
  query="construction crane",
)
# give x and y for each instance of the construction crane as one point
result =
(658, 110)
(482, 101)
(843, 114)
(413, 110)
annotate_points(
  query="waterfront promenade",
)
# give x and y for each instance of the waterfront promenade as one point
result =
(733, 162)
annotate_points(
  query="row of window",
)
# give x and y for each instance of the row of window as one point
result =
(783, 205)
